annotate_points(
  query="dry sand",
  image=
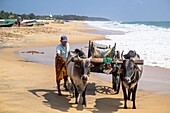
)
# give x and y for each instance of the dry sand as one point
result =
(28, 87)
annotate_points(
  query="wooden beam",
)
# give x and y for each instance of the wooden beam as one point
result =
(139, 62)
(100, 60)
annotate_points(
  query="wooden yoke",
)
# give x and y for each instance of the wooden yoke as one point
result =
(139, 62)
(100, 60)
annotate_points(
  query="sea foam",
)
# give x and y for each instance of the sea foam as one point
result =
(152, 43)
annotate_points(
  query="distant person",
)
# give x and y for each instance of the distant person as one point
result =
(60, 62)
(19, 20)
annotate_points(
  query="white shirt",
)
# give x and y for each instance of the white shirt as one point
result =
(63, 51)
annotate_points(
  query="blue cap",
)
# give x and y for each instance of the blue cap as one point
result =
(63, 38)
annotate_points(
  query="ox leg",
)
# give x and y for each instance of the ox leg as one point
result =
(125, 96)
(65, 82)
(58, 86)
(134, 96)
(129, 93)
(76, 95)
(75, 92)
(84, 96)
(72, 90)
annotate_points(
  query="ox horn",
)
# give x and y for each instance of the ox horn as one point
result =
(79, 58)
(122, 55)
(90, 57)
(135, 51)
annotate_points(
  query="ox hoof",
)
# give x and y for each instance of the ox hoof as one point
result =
(84, 106)
(125, 107)
(134, 107)
(59, 94)
(66, 89)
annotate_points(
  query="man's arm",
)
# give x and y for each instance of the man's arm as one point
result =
(58, 54)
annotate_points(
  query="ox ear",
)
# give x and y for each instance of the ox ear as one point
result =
(137, 69)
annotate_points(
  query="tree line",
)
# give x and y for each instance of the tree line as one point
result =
(10, 15)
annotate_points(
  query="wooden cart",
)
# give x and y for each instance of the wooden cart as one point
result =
(107, 60)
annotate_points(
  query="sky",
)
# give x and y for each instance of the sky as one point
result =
(119, 10)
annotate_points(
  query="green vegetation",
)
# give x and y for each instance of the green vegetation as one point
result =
(7, 15)
(10, 15)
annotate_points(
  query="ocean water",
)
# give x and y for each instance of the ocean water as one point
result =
(49, 53)
(151, 40)
(163, 24)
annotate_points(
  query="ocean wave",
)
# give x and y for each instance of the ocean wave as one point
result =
(151, 42)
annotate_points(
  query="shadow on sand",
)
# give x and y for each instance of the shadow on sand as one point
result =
(53, 100)
(107, 105)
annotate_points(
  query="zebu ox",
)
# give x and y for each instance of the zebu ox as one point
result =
(130, 75)
(79, 72)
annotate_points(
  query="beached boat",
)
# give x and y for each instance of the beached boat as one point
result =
(7, 22)
(66, 21)
(28, 21)
(30, 24)
(6, 25)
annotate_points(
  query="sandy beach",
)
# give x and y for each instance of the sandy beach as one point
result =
(29, 87)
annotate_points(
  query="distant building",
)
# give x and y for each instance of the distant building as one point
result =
(51, 16)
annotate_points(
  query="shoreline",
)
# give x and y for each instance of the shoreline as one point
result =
(30, 87)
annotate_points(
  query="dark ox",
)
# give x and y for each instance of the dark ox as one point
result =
(130, 76)
(79, 74)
